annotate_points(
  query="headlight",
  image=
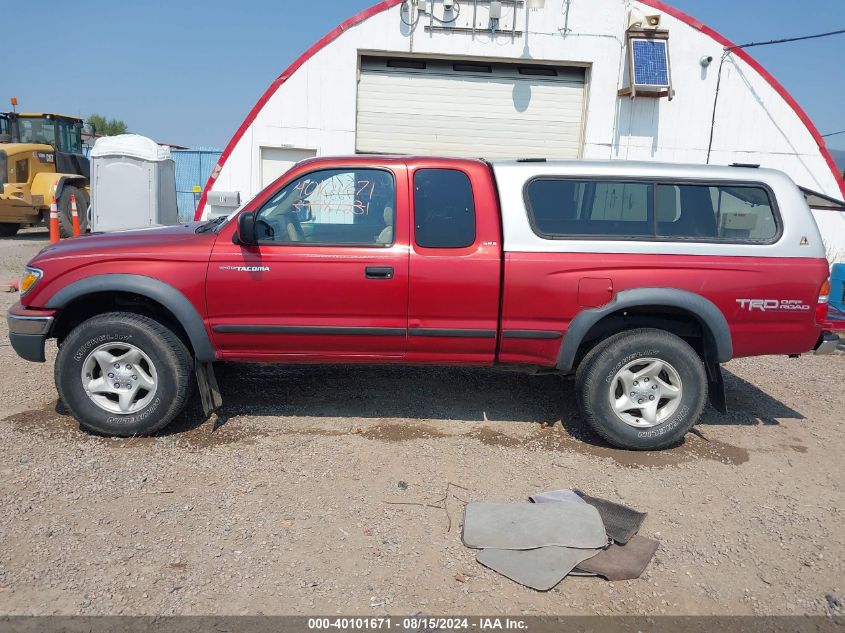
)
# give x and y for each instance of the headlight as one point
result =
(31, 276)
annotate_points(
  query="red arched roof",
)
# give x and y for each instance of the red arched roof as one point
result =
(384, 5)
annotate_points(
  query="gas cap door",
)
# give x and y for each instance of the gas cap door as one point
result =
(594, 292)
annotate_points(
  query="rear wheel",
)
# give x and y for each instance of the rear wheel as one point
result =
(123, 374)
(64, 207)
(642, 389)
(8, 230)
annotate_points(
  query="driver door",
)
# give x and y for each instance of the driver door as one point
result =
(329, 276)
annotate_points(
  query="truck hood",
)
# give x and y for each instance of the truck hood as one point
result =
(172, 242)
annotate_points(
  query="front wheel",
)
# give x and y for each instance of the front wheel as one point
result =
(642, 389)
(123, 374)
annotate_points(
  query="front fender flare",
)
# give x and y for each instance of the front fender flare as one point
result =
(48, 184)
(154, 289)
(710, 317)
(45, 184)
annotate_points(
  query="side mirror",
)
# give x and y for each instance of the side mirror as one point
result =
(246, 229)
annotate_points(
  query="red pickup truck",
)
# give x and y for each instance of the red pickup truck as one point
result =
(639, 278)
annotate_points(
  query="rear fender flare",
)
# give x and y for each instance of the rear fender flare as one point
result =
(154, 289)
(710, 317)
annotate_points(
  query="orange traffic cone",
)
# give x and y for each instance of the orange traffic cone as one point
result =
(54, 221)
(74, 215)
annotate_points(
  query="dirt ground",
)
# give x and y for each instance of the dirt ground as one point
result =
(288, 507)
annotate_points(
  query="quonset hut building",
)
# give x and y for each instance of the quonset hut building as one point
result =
(597, 79)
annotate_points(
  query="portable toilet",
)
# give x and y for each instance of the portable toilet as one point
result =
(837, 293)
(133, 184)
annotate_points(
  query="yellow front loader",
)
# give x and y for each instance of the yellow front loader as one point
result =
(41, 157)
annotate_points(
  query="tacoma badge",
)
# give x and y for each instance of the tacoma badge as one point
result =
(247, 269)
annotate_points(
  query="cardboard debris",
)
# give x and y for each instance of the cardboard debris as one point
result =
(561, 532)
(540, 568)
(531, 525)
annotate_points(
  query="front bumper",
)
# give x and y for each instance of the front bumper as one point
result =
(828, 343)
(28, 330)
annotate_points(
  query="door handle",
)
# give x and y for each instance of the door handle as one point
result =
(379, 272)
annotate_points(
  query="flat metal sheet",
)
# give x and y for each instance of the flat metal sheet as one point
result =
(540, 568)
(525, 526)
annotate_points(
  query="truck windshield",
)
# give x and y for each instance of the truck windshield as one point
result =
(63, 134)
(37, 130)
(4, 125)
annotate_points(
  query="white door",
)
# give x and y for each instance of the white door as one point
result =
(475, 109)
(122, 194)
(277, 160)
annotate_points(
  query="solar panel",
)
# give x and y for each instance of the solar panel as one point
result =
(651, 63)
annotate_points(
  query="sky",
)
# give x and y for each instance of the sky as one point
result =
(186, 72)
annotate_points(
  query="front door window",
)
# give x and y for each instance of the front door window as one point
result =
(336, 207)
(70, 137)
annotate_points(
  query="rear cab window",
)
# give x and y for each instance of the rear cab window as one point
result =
(444, 211)
(564, 208)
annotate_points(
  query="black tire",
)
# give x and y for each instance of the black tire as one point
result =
(112, 333)
(9, 230)
(601, 370)
(65, 219)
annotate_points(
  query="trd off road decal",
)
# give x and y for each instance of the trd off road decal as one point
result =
(247, 269)
(773, 305)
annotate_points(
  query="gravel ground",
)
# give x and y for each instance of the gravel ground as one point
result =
(285, 508)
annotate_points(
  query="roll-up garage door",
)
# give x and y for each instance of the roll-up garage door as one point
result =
(476, 109)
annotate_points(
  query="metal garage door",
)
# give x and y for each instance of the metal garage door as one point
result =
(412, 106)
